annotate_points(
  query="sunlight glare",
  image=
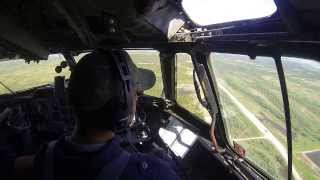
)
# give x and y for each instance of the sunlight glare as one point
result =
(206, 12)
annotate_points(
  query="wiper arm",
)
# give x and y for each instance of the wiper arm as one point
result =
(10, 90)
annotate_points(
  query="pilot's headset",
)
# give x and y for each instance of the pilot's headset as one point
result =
(121, 59)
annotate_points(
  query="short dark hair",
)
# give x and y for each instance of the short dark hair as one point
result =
(94, 91)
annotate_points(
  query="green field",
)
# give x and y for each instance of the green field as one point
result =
(254, 83)
(18, 75)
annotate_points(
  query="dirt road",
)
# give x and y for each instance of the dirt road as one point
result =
(263, 129)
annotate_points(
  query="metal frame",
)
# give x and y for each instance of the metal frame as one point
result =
(217, 127)
(286, 107)
(168, 67)
(303, 48)
(167, 61)
(70, 60)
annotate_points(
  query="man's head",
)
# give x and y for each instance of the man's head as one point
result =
(96, 89)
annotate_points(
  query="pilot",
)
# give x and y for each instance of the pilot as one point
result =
(96, 95)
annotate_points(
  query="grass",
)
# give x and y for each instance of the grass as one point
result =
(270, 162)
(236, 121)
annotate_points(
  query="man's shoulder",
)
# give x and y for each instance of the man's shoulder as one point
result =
(140, 166)
(145, 166)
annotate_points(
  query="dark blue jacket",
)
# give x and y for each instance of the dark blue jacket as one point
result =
(86, 161)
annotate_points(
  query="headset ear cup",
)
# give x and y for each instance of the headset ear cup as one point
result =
(122, 64)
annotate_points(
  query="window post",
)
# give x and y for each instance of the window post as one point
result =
(168, 65)
(286, 107)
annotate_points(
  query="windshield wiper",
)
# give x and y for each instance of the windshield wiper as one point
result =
(10, 90)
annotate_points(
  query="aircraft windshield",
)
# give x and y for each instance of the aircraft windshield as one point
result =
(207, 12)
(252, 108)
(16, 75)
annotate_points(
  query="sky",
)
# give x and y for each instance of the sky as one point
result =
(206, 12)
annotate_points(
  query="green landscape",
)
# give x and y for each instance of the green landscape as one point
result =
(253, 83)
(18, 75)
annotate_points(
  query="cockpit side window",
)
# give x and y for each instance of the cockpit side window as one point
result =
(252, 109)
(186, 93)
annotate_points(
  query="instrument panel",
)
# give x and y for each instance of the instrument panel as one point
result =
(31, 119)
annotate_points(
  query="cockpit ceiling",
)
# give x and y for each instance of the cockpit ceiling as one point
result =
(49, 26)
